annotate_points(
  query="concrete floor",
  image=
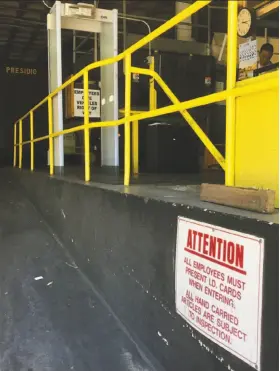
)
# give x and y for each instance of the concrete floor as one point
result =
(51, 316)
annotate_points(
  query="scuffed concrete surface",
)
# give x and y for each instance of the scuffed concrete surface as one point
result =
(57, 322)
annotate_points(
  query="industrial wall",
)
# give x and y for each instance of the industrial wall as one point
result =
(22, 86)
(126, 246)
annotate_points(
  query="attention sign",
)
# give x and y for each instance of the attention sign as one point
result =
(219, 275)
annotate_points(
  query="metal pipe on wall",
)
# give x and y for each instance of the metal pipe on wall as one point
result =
(124, 24)
(95, 47)
(222, 48)
(209, 30)
(218, 7)
(142, 21)
(74, 46)
(162, 20)
(95, 38)
(85, 39)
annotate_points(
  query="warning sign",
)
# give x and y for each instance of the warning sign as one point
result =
(219, 274)
(94, 103)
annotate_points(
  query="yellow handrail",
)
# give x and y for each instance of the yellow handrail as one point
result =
(20, 145)
(31, 141)
(126, 55)
(190, 120)
(127, 113)
(153, 92)
(15, 145)
(86, 128)
(233, 90)
(51, 154)
(139, 44)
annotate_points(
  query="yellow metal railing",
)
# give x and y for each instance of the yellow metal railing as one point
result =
(134, 117)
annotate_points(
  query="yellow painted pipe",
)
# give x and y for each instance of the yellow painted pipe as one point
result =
(135, 147)
(231, 82)
(133, 116)
(180, 17)
(31, 141)
(188, 12)
(51, 149)
(262, 83)
(173, 108)
(20, 144)
(78, 75)
(133, 112)
(152, 91)
(207, 99)
(38, 139)
(68, 131)
(15, 145)
(127, 108)
(86, 128)
(212, 98)
(190, 120)
(267, 84)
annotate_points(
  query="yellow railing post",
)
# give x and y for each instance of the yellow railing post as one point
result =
(51, 150)
(135, 147)
(86, 128)
(231, 82)
(189, 119)
(20, 145)
(233, 90)
(152, 90)
(31, 141)
(15, 144)
(127, 112)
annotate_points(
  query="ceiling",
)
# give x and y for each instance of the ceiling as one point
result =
(23, 33)
(22, 29)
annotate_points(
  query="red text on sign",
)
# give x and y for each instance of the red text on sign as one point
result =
(221, 251)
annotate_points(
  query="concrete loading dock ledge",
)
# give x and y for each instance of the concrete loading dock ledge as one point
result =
(134, 267)
(142, 234)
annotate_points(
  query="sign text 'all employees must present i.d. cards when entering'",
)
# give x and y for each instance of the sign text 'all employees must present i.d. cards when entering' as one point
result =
(219, 274)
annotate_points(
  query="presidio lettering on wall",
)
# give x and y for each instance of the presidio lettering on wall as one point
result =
(21, 71)
(219, 276)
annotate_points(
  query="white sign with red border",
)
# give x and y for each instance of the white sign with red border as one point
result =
(219, 279)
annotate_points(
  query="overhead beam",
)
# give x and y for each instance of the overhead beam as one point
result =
(25, 20)
(32, 10)
(12, 25)
(267, 8)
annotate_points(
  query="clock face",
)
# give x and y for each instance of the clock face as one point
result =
(244, 22)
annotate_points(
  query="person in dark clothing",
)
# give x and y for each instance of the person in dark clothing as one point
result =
(266, 54)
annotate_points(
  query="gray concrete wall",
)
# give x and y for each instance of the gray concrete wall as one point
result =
(126, 247)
